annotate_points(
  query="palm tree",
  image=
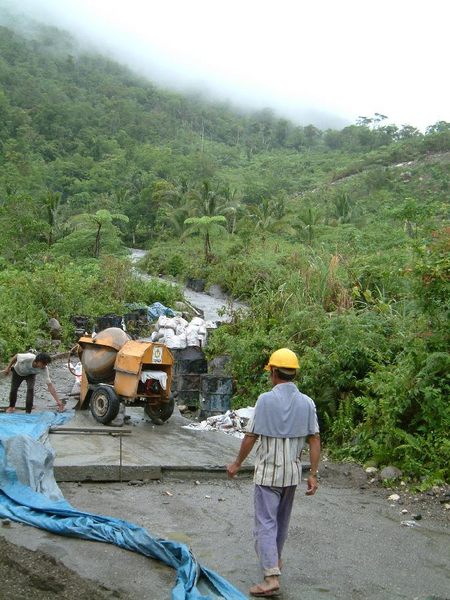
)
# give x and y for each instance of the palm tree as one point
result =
(232, 208)
(205, 202)
(307, 219)
(269, 217)
(51, 203)
(172, 218)
(101, 219)
(206, 226)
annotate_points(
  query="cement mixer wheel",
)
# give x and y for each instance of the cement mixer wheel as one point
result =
(162, 412)
(104, 404)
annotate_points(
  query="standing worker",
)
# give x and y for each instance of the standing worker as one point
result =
(25, 367)
(284, 419)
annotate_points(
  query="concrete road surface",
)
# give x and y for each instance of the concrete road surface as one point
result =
(345, 543)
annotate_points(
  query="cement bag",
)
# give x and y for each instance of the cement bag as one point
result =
(180, 323)
(166, 334)
(192, 336)
(157, 336)
(164, 322)
(197, 322)
(202, 336)
(175, 342)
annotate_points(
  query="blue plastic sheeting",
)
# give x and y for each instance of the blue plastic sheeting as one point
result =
(157, 309)
(20, 503)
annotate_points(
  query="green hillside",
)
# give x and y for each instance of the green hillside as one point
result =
(337, 240)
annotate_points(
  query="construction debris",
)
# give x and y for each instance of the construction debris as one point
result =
(233, 422)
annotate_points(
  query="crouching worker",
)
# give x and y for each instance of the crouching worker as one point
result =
(25, 367)
(284, 419)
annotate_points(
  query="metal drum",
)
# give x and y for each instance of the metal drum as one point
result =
(215, 395)
(98, 359)
(190, 364)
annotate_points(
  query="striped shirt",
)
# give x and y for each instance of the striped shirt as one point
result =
(278, 460)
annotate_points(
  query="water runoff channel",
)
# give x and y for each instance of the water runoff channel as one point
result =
(213, 308)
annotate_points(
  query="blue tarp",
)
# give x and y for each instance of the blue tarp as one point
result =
(157, 309)
(19, 502)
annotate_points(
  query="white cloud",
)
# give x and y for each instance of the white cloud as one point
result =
(347, 57)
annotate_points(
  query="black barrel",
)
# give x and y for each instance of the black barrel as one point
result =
(215, 395)
(190, 363)
(110, 320)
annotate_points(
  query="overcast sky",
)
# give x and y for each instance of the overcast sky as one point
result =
(344, 58)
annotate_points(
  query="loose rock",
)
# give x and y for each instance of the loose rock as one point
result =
(390, 473)
(394, 497)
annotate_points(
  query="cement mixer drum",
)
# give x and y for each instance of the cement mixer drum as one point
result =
(99, 356)
(117, 369)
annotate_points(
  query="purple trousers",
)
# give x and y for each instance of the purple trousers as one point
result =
(273, 507)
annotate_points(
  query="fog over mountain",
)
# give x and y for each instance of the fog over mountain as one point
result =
(324, 64)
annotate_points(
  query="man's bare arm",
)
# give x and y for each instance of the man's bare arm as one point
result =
(314, 457)
(10, 365)
(246, 447)
(54, 393)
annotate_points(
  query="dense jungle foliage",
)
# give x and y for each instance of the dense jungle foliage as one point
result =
(338, 241)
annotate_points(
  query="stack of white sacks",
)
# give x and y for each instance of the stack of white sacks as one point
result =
(177, 333)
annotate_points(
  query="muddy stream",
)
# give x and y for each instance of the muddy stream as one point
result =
(214, 308)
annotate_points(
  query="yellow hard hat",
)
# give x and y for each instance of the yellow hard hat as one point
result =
(283, 359)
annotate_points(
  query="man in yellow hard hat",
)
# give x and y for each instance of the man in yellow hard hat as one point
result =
(283, 421)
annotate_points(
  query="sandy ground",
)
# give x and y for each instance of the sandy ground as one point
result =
(345, 543)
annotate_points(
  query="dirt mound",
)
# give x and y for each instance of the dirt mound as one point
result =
(31, 574)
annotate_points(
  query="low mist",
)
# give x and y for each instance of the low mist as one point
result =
(308, 64)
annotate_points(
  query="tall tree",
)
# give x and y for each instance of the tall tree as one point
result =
(99, 221)
(51, 203)
(206, 226)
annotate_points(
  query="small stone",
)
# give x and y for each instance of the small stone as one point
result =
(220, 499)
(417, 517)
(371, 470)
(136, 482)
(447, 506)
(167, 493)
(390, 473)
(197, 482)
(6, 523)
(404, 511)
(394, 497)
(409, 524)
(208, 497)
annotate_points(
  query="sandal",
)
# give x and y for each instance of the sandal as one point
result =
(261, 592)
